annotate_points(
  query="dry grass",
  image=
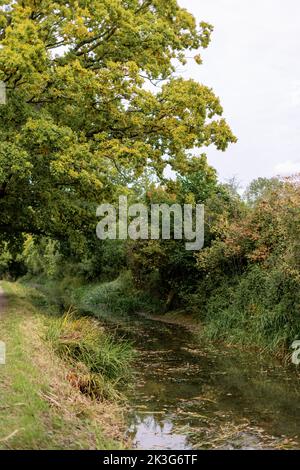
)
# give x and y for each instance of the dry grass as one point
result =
(40, 407)
(101, 364)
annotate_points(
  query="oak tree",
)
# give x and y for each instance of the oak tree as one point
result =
(92, 102)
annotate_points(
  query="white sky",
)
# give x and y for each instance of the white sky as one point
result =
(253, 65)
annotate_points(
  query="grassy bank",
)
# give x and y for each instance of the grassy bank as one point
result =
(41, 407)
(256, 309)
(259, 308)
(111, 301)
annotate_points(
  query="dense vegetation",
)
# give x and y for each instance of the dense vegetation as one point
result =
(94, 110)
(81, 122)
(243, 285)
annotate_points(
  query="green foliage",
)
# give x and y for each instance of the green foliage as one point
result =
(250, 273)
(164, 268)
(199, 185)
(118, 298)
(259, 188)
(259, 308)
(105, 259)
(5, 259)
(80, 124)
(244, 284)
(81, 127)
(41, 258)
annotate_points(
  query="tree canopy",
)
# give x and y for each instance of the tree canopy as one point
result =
(92, 102)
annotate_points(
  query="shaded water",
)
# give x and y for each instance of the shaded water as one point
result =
(190, 395)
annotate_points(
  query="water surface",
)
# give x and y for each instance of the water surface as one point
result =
(192, 395)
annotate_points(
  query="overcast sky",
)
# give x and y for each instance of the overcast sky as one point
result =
(253, 65)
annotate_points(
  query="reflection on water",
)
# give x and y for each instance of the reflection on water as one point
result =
(188, 395)
(149, 433)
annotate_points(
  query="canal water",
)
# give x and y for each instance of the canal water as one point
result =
(189, 394)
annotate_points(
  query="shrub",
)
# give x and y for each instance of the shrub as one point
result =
(119, 298)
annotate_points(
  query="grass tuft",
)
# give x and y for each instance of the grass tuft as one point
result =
(101, 364)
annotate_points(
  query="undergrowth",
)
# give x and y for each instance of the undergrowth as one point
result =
(259, 308)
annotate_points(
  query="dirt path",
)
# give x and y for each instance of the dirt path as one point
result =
(173, 318)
